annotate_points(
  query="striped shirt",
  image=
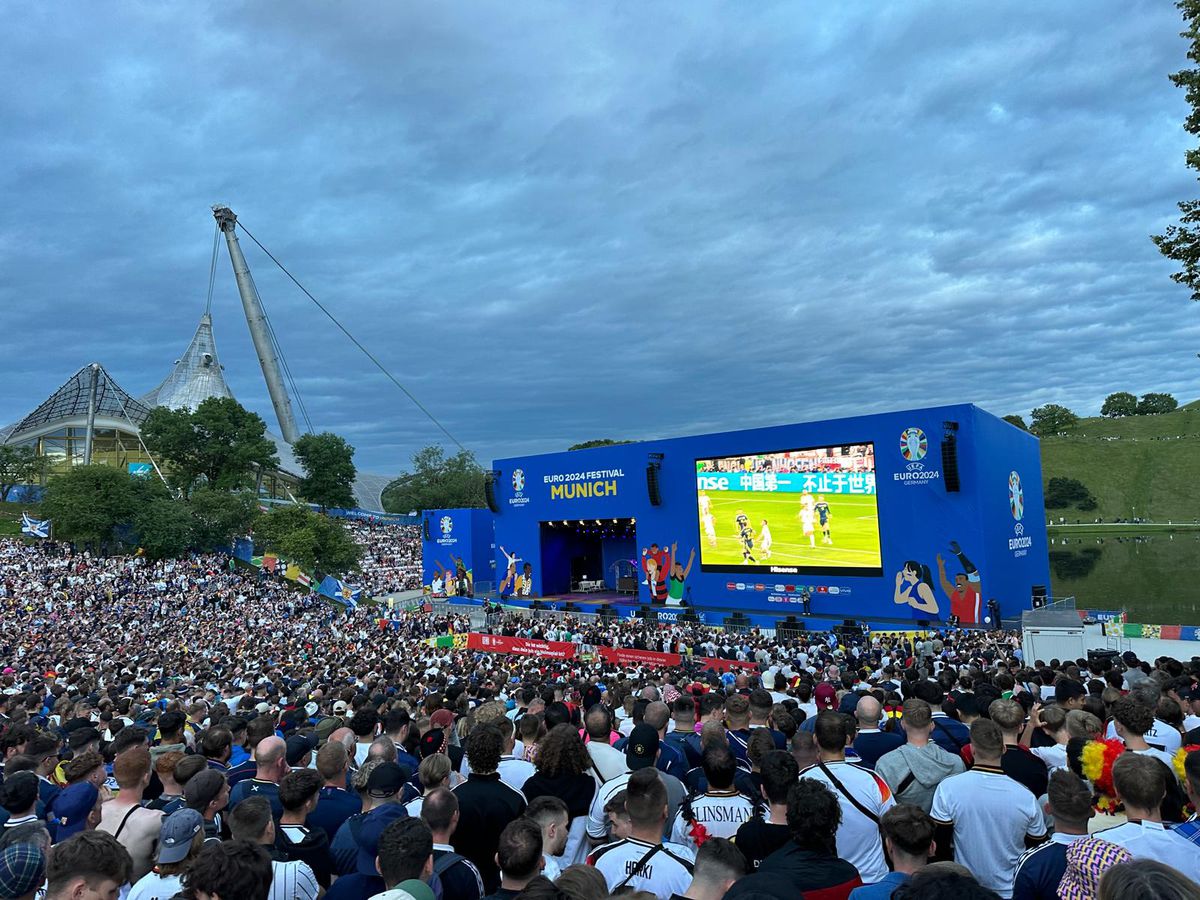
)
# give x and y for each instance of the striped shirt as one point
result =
(292, 881)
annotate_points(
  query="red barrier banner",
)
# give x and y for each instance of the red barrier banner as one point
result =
(667, 660)
(645, 657)
(498, 643)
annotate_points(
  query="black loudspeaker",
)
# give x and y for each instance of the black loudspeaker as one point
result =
(652, 485)
(627, 584)
(1094, 656)
(425, 522)
(1039, 596)
(645, 612)
(950, 464)
(570, 607)
(489, 491)
(608, 614)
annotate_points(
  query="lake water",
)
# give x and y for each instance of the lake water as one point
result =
(1150, 575)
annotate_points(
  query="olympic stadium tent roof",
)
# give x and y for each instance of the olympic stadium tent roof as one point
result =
(197, 375)
(69, 405)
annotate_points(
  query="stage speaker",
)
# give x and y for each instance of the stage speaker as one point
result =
(536, 605)
(627, 584)
(645, 612)
(689, 618)
(608, 614)
(950, 463)
(570, 607)
(489, 490)
(425, 522)
(1039, 596)
(652, 484)
(1095, 656)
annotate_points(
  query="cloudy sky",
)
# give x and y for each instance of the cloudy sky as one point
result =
(561, 221)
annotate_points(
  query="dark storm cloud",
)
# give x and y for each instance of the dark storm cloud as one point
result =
(556, 222)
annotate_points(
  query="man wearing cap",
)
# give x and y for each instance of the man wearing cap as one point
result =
(179, 840)
(300, 749)
(270, 757)
(383, 786)
(337, 804)
(641, 751)
(207, 792)
(486, 804)
(22, 871)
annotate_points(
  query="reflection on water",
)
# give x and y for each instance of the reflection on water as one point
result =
(1150, 575)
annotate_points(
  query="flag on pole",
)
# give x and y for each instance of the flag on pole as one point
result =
(39, 528)
(341, 591)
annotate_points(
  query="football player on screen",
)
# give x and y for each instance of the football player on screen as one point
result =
(746, 536)
(823, 517)
(764, 539)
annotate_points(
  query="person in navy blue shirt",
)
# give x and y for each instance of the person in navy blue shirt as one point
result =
(270, 756)
(336, 804)
(761, 705)
(870, 743)
(397, 725)
(1040, 870)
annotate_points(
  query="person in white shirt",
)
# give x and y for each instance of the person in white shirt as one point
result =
(720, 810)
(1132, 721)
(180, 840)
(992, 817)
(1141, 784)
(552, 817)
(609, 762)
(862, 795)
(1159, 735)
(644, 861)
(514, 771)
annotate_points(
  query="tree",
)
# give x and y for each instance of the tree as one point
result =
(18, 465)
(1017, 421)
(1156, 404)
(437, 482)
(598, 442)
(220, 516)
(1065, 492)
(328, 463)
(313, 541)
(1122, 403)
(165, 527)
(1051, 419)
(87, 503)
(221, 443)
(1181, 243)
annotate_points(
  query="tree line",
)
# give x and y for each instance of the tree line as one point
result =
(1053, 418)
(213, 462)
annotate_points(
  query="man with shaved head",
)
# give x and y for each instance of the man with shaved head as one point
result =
(871, 743)
(270, 757)
(670, 759)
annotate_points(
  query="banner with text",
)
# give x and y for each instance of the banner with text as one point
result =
(498, 643)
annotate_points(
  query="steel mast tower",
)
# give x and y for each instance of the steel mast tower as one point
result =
(257, 320)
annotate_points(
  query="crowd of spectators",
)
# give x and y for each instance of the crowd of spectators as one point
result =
(184, 729)
(391, 558)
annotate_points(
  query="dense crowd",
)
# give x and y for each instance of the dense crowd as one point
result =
(183, 729)
(391, 559)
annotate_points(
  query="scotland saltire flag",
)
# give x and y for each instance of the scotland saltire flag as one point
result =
(39, 528)
(341, 591)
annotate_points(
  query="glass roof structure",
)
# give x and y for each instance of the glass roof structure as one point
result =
(70, 402)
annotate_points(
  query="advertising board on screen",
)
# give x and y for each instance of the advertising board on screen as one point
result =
(811, 510)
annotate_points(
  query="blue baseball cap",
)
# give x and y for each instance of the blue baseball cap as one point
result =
(69, 810)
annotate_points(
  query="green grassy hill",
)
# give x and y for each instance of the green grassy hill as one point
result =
(1146, 466)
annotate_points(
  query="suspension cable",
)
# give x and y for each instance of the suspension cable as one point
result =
(369, 355)
(212, 271)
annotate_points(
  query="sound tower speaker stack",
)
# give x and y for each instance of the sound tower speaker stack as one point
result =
(950, 463)
(1039, 596)
(489, 491)
(425, 522)
(652, 484)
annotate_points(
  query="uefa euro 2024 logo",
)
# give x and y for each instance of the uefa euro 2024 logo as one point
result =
(1016, 496)
(518, 480)
(913, 444)
(446, 524)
